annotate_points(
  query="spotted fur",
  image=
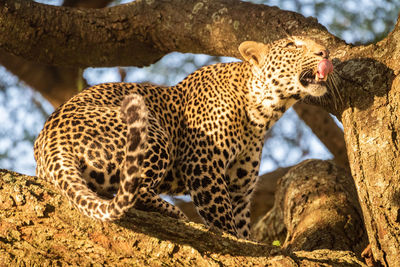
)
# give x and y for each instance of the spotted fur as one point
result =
(119, 145)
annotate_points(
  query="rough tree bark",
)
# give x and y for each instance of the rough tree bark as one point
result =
(371, 127)
(315, 207)
(39, 227)
(141, 32)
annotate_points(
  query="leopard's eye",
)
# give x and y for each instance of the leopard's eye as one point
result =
(290, 45)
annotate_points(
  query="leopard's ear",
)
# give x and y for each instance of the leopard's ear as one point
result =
(252, 52)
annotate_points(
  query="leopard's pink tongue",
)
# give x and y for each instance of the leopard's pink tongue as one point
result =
(324, 68)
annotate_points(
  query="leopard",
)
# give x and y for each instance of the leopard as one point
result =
(120, 146)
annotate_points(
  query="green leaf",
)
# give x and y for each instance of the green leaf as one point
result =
(276, 243)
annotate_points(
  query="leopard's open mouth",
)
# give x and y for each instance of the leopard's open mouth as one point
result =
(308, 77)
(314, 80)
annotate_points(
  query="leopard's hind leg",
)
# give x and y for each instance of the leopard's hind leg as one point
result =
(60, 165)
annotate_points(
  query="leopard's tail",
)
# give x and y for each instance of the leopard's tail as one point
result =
(135, 114)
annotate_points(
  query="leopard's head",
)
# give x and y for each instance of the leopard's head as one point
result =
(289, 68)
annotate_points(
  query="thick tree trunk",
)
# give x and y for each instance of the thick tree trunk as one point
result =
(38, 226)
(371, 128)
(370, 89)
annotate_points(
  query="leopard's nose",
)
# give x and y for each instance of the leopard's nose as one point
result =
(324, 53)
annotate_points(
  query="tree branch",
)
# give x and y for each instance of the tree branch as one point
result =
(141, 32)
(39, 227)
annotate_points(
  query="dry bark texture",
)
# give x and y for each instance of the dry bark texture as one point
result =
(143, 31)
(38, 226)
(371, 128)
(315, 207)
